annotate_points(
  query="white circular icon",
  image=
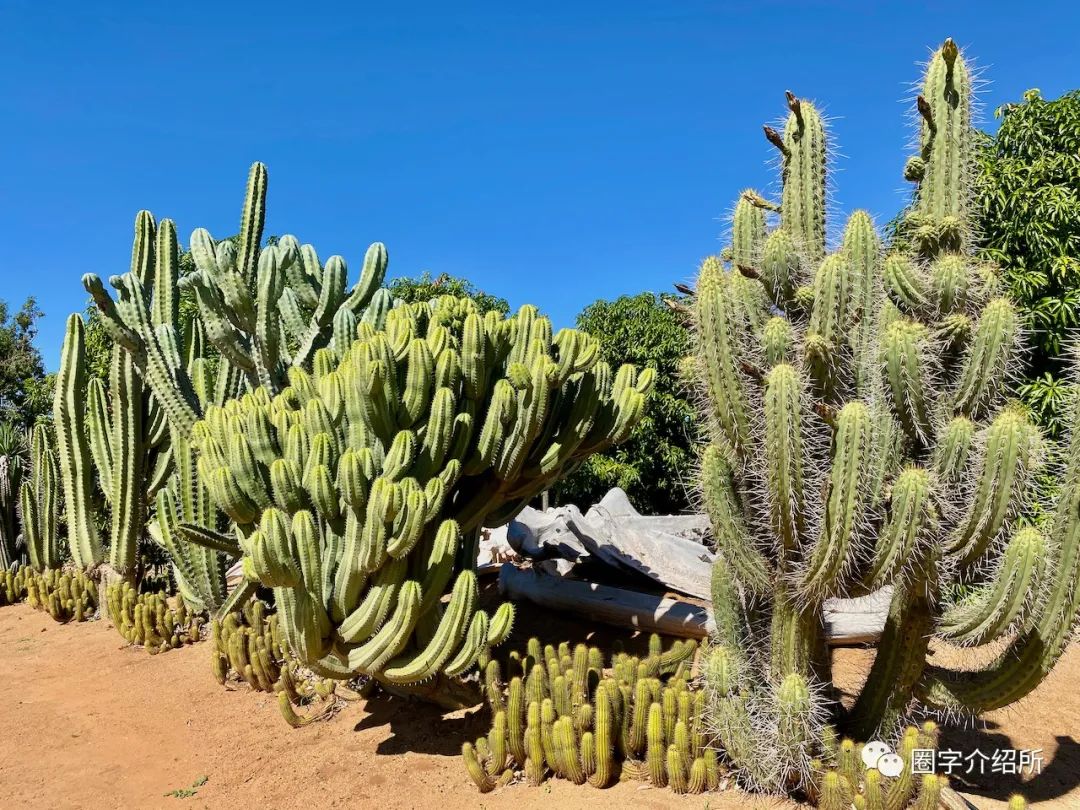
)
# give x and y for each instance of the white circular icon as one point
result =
(890, 765)
(874, 751)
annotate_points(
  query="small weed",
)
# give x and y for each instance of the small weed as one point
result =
(188, 792)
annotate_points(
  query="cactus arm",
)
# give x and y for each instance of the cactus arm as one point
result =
(717, 346)
(1000, 603)
(784, 454)
(252, 220)
(1006, 467)
(911, 519)
(372, 275)
(331, 297)
(862, 248)
(905, 357)
(225, 337)
(451, 631)
(732, 537)
(905, 285)
(97, 420)
(898, 665)
(831, 554)
(267, 337)
(946, 136)
(1024, 664)
(991, 356)
(804, 165)
(780, 268)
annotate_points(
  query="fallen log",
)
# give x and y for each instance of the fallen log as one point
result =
(670, 616)
(603, 603)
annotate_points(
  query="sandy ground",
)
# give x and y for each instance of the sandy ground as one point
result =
(87, 723)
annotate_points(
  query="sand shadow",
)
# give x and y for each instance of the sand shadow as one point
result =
(1058, 775)
(419, 727)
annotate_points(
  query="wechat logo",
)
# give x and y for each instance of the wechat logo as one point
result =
(876, 754)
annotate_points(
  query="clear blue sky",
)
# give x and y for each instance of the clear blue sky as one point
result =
(552, 153)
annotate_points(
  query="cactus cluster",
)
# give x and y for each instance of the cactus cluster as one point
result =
(563, 712)
(860, 437)
(358, 491)
(249, 647)
(13, 584)
(64, 595)
(248, 643)
(842, 779)
(148, 619)
(39, 500)
(261, 310)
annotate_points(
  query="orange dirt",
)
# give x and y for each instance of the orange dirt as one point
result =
(87, 723)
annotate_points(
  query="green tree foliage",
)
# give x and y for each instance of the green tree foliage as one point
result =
(654, 463)
(1029, 209)
(411, 289)
(25, 390)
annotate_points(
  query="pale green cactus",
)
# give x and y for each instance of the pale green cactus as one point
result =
(863, 438)
(357, 492)
(40, 499)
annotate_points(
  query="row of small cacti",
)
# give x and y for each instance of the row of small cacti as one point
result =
(64, 595)
(564, 713)
(149, 620)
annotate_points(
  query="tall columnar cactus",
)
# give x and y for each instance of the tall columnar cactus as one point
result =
(12, 469)
(260, 310)
(264, 308)
(39, 499)
(862, 438)
(73, 446)
(358, 491)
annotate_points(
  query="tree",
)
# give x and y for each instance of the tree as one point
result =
(25, 390)
(1029, 207)
(653, 465)
(423, 288)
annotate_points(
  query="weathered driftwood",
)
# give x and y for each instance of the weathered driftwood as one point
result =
(667, 615)
(665, 548)
(603, 603)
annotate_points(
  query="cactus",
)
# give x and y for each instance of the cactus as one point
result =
(73, 447)
(875, 386)
(149, 620)
(39, 499)
(265, 309)
(64, 595)
(430, 427)
(603, 726)
(12, 472)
